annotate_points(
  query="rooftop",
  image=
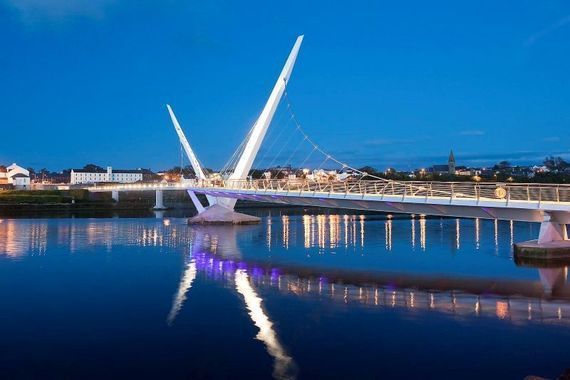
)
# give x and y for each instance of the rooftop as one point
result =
(115, 171)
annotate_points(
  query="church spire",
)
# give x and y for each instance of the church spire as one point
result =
(451, 157)
(451, 163)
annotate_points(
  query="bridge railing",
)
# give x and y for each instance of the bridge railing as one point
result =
(452, 190)
(507, 192)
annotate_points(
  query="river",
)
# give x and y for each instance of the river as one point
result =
(304, 294)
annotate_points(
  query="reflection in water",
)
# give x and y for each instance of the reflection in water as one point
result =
(327, 231)
(268, 234)
(18, 237)
(388, 230)
(502, 309)
(496, 225)
(285, 227)
(215, 252)
(283, 366)
(307, 230)
(551, 278)
(333, 230)
(362, 230)
(477, 232)
(345, 226)
(413, 230)
(512, 231)
(183, 288)
(423, 232)
(457, 234)
(238, 261)
(509, 307)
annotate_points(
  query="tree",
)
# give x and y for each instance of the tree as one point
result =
(555, 163)
(502, 165)
(370, 170)
(44, 173)
(188, 172)
(92, 167)
(32, 172)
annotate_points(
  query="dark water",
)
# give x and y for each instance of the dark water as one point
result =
(298, 296)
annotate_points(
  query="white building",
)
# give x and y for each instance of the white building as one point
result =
(79, 176)
(15, 175)
(21, 181)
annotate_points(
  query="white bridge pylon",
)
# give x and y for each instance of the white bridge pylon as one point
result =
(254, 141)
(198, 171)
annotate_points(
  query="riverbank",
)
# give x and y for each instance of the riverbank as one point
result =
(81, 203)
(41, 203)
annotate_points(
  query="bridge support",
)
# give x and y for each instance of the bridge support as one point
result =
(218, 214)
(551, 230)
(552, 243)
(115, 195)
(159, 200)
(196, 201)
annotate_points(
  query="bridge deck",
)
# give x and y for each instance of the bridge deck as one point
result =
(526, 202)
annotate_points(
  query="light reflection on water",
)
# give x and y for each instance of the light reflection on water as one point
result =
(284, 366)
(461, 304)
(355, 261)
(451, 297)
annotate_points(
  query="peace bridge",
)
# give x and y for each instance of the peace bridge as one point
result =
(548, 204)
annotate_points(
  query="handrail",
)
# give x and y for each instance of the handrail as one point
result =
(507, 192)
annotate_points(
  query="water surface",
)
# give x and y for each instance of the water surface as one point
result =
(298, 296)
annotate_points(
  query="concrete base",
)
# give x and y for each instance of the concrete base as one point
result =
(217, 214)
(551, 231)
(553, 250)
(159, 203)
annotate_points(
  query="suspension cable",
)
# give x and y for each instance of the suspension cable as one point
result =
(317, 148)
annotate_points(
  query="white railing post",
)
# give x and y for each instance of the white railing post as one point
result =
(528, 193)
(477, 192)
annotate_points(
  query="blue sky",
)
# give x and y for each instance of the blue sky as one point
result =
(379, 83)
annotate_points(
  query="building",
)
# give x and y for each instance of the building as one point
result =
(4, 178)
(451, 163)
(445, 169)
(21, 181)
(439, 169)
(464, 171)
(14, 176)
(83, 176)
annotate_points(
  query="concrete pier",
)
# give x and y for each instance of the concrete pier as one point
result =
(552, 251)
(159, 200)
(218, 214)
(552, 243)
